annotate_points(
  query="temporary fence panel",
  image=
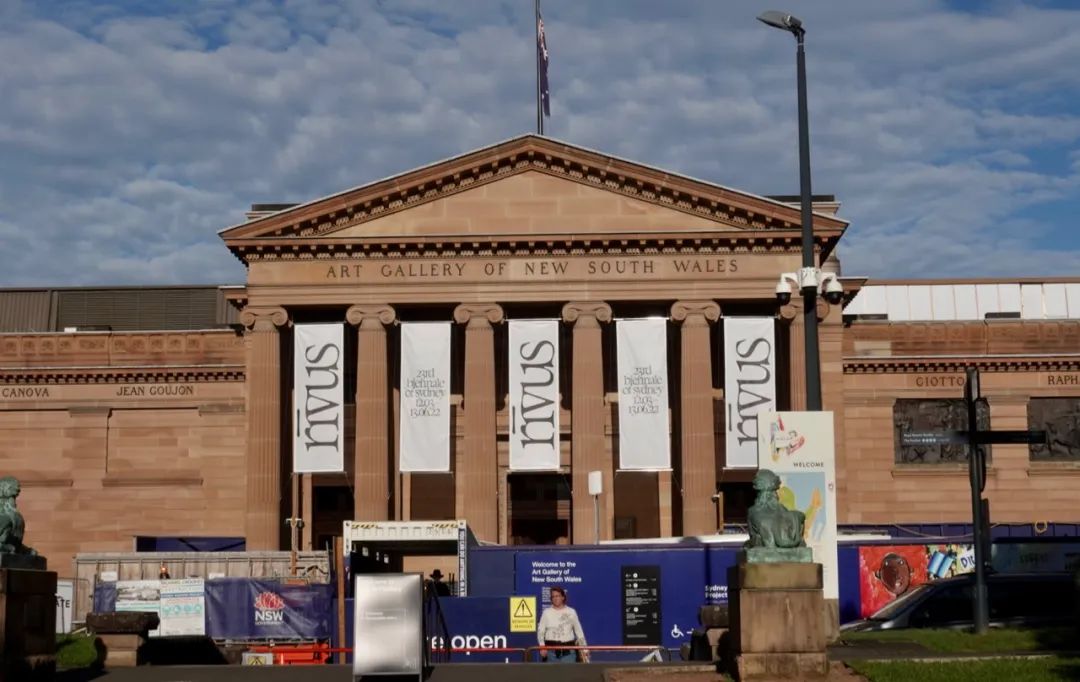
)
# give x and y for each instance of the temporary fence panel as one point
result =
(247, 609)
(93, 569)
(644, 597)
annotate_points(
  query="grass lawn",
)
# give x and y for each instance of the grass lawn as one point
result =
(1050, 669)
(75, 651)
(961, 641)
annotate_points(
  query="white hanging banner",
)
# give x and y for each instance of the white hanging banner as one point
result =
(800, 448)
(534, 395)
(318, 398)
(644, 442)
(749, 384)
(425, 396)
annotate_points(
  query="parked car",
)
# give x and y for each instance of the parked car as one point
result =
(1015, 600)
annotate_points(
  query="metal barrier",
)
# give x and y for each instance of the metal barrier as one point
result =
(526, 652)
(592, 647)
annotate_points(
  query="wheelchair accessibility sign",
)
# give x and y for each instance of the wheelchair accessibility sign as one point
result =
(522, 614)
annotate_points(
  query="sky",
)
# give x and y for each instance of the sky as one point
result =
(132, 132)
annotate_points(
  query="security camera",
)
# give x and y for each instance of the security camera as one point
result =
(783, 292)
(834, 291)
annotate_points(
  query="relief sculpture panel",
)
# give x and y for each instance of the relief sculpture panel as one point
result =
(934, 416)
(1060, 418)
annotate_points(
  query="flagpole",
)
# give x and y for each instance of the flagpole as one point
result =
(539, 95)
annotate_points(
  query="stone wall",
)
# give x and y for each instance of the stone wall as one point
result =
(120, 435)
(885, 362)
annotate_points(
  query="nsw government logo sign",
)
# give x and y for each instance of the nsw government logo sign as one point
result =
(269, 609)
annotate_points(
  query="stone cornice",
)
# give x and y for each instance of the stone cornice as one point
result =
(120, 375)
(319, 220)
(928, 365)
(456, 246)
(119, 348)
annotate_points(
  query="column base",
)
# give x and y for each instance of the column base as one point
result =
(777, 665)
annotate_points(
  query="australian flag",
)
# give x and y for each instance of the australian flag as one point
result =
(542, 65)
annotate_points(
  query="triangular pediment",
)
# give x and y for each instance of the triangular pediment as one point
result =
(526, 188)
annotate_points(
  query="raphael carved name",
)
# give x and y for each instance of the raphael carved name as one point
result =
(1063, 380)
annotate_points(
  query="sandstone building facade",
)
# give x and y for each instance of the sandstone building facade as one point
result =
(134, 414)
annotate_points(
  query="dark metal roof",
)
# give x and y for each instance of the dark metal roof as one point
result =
(795, 198)
(114, 309)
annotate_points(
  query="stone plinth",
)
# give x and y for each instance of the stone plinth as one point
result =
(776, 620)
(27, 624)
(26, 562)
(777, 555)
(122, 635)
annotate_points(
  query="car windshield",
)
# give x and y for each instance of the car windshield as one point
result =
(894, 607)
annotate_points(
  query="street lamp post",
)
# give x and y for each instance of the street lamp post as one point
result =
(808, 278)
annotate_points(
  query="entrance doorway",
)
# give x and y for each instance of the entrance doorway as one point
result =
(539, 509)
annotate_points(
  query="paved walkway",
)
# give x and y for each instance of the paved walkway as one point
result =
(897, 650)
(451, 672)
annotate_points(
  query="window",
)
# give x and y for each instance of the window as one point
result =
(946, 606)
(934, 416)
(1060, 418)
(1016, 599)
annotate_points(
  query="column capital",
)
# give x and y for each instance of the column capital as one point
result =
(264, 318)
(791, 311)
(794, 309)
(468, 313)
(370, 314)
(687, 311)
(586, 310)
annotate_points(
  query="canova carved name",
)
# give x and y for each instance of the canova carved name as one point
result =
(24, 392)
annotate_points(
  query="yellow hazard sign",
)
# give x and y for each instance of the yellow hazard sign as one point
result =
(522, 614)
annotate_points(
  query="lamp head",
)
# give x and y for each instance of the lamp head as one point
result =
(782, 20)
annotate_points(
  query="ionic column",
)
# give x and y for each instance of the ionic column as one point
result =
(587, 447)
(262, 520)
(698, 452)
(476, 471)
(796, 327)
(371, 493)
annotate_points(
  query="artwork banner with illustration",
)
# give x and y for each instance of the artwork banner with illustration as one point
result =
(800, 448)
(890, 571)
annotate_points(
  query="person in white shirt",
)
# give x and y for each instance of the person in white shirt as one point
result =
(559, 625)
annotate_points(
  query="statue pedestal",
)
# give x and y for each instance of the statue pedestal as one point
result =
(27, 624)
(123, 635)
(777, 629)
(26, 562)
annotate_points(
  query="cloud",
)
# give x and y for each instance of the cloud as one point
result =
(132, 133)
